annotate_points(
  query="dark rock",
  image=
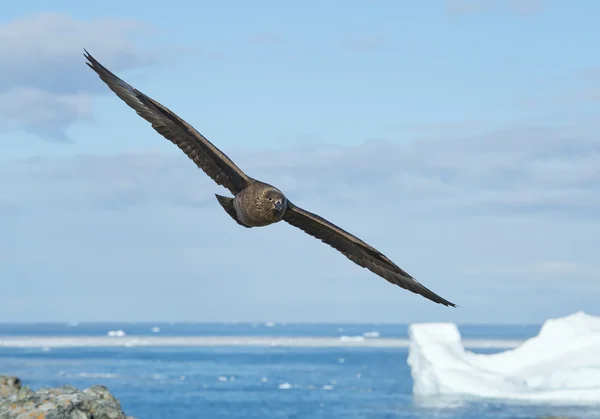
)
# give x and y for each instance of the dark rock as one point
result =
(67, 402)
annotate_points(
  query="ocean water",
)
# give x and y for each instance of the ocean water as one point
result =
(241, 381)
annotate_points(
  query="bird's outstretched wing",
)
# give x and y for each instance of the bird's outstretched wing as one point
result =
(206, 156)
(357, 251)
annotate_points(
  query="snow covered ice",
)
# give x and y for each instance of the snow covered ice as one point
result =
(559, 365)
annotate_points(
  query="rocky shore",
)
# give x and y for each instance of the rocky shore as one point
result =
(66, 402)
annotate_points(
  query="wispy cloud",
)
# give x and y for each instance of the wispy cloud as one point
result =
(590, 74)
(562, 268)
(41, 112)
(452, 127)
(364, 43)
(512, 170)
(546, 270)
(43, 79)
(514, 7)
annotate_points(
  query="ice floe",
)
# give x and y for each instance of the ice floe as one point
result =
(559, 365)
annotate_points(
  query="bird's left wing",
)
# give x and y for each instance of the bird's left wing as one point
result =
(357, 251)
(206, 156)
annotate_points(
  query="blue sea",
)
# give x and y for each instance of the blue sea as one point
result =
(233, 380)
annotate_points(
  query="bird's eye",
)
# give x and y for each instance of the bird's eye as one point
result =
(270, 199)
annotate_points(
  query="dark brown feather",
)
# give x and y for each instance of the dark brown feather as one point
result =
(227, 204)
(206, 156)
(357, 251)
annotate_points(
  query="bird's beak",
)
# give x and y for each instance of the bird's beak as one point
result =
(278, 205)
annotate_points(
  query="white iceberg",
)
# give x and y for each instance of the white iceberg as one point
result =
(560, 365)
(116, 333)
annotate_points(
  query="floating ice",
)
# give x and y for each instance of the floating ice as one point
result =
(116, 333)
(560, 365)
(285, 386)
(155, 329)
(352, 338)
(97, 375)
(371, 334)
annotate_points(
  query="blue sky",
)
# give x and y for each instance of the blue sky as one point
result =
(458, 137)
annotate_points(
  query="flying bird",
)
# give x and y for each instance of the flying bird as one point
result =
(255, 203)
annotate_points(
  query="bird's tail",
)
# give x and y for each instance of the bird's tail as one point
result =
(227, 204)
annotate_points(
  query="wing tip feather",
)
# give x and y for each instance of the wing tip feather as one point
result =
(423, 291)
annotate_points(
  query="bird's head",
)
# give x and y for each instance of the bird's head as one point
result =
(277, 200)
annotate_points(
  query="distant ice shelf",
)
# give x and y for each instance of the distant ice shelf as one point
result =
(116, 339)
(560, 365)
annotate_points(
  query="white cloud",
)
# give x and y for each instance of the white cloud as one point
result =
(41, 112)
(44, 81)
(45, 50)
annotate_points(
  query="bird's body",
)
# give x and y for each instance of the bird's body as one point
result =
(259, 204)
(255, 203)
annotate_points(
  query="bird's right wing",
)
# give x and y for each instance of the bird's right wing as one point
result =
(206, 156)
(357, 251)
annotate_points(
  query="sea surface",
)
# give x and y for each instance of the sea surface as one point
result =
(234, 380)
